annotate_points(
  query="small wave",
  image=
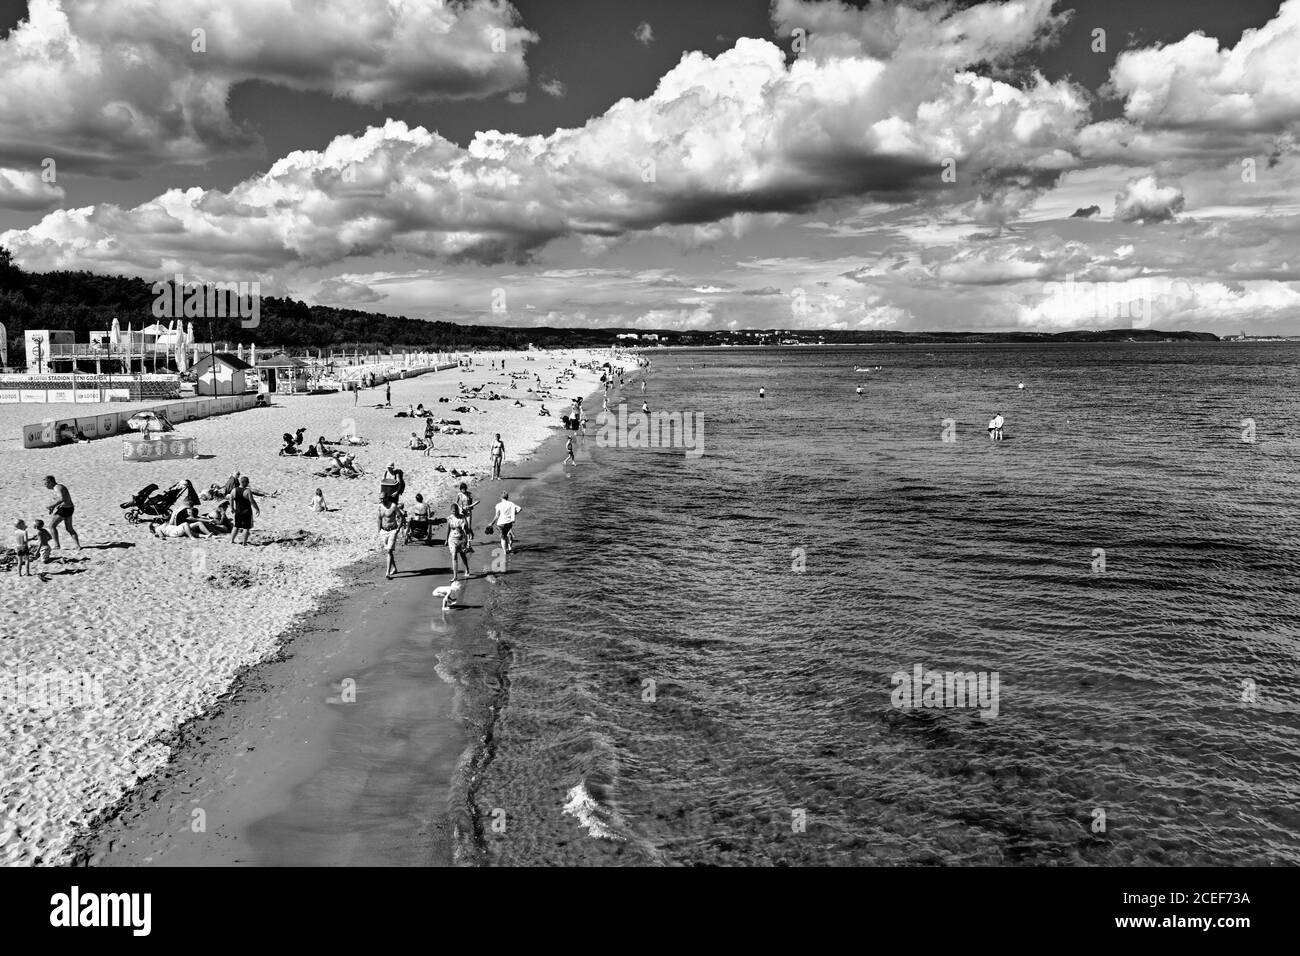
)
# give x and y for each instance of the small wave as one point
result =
(588, 812)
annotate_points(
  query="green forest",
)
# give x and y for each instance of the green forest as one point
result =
(84, 301)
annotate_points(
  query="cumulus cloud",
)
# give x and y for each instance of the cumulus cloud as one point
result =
(644, 34)
(109, 85)
(26, 191)
(341, 291)
(1195, 84)
(1143, 199)
(721, 143)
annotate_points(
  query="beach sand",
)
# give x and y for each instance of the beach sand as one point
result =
(134, 635)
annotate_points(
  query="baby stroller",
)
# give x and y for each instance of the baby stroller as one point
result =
(420, 529)
(149, 504)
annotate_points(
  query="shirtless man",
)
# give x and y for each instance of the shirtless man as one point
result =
(390, 519)
(61, 507)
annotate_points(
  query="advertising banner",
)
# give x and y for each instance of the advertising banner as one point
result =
(143, 449)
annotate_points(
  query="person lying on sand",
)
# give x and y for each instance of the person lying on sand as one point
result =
(188, 529)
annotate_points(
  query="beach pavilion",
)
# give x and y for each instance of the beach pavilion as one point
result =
(283, 374)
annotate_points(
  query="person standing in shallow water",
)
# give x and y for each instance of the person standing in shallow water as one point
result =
(456, 542)
(390, 519)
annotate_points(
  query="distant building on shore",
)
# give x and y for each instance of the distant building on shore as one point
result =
(233, 376)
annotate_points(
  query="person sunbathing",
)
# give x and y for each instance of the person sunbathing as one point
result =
(187, 529)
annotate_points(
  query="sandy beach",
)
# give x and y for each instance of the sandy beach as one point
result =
(112, 648)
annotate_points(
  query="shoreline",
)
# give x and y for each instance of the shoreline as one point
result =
(267, 774)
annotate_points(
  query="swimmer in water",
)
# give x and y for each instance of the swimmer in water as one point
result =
(762, 393)
(859, 389)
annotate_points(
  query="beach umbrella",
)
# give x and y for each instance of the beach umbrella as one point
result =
(252, 353)
(239, 351)
(149, 421)
(115, 332)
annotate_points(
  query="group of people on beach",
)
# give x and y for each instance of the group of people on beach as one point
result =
(394, 516)
(41, 541)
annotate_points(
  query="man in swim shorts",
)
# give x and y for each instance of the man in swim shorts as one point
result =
(61, 507)
(390, 519)
(504, 518)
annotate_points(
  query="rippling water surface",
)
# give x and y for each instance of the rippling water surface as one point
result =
(1124, 692)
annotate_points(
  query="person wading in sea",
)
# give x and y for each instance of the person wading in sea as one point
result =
(390, 519)
(504, 518)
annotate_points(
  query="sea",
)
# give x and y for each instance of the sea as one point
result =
(846, 627)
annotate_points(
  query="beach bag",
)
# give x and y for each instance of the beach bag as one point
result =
(490, 529)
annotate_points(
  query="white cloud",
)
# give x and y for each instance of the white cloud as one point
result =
(1143, 199)
(553, 87)
(112, 84)
(345, 292)
(1195, 84)
(644, 34)
(25, 190)
(721, 141)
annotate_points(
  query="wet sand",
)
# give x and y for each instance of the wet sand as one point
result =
(287, 772)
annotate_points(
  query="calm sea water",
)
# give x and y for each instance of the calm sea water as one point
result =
(1147, 713)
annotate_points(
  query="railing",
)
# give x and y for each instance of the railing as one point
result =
(74, 349)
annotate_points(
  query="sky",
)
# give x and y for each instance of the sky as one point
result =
(1021, 164)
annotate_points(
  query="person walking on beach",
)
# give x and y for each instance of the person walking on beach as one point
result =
(244, 505)
(61, 507)
(498, 453)
(390, 519)
(568, 448)
(504, 518)
(388, 395)
(456, 542)
(466, 502)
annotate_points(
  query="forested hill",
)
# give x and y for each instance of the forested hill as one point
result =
(83, 301)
